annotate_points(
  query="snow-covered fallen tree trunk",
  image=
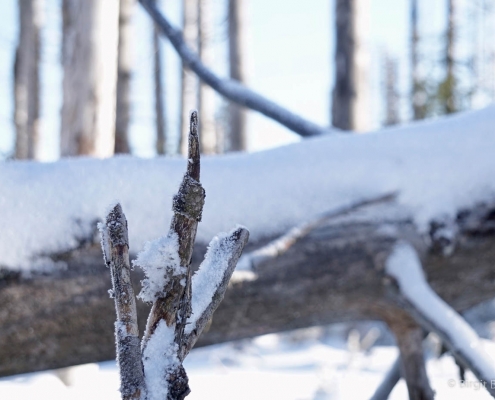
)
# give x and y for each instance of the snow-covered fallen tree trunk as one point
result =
(53, 290)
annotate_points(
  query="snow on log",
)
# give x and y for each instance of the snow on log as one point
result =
(436, 168)
(436, 315)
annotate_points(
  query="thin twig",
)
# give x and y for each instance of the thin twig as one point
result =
(279, 246)
(115, 245)
(231, 89)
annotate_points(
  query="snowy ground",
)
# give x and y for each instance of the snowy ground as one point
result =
(314, 367)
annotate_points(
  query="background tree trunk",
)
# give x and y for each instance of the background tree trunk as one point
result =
(206, 95)
(350, 98)
(160, 121)
(236, 135)
(189, 88)
(26, 80)
(391, 92)
(418, 94)
(124, 71)
(89, 59)
(448, 86)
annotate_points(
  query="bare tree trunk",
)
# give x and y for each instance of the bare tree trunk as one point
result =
(161, 141)
(189, 87)
(206, 95)
(350, 98)
(89, 59)
(391, 92)
(26, 79)
(418, 94)
(236, 135)
(122, 112)
(449, 85)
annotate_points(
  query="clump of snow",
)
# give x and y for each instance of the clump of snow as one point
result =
(207, 279)
(405, 267)
(159, 260)
(159, 360)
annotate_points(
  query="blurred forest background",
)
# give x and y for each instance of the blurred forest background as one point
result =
(89, 77)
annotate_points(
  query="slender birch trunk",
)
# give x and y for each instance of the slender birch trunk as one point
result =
(89, 59)
(26, 80)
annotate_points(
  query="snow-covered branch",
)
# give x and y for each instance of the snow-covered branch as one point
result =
(231, 89)
(210, 282)
(115, 246)
(434, 314)
(157, 373)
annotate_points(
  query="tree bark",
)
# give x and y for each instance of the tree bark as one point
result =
(124, 71)
(160, 121)
(350, 98)
(189, 85)
(332, 274)
(236, 138)
(26, 80)
(89, 59)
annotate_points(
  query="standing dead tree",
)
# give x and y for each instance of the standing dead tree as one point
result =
(26, 79)
(124, 71)
(182, 304)
(229, 88)
(236, 136)
(89, 60)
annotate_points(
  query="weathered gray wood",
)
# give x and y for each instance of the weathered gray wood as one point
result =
(393, 376)
(330, 275)
(115, 246)
(412, 363)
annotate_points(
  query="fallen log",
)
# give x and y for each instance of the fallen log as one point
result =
(332, 274)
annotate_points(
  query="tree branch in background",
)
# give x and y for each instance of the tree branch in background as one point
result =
(391, 379)
(435, 315)
(231, 89)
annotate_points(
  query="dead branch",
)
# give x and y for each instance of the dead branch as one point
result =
(115, 246)
(155, 370)
(387, 385)
(231, 89)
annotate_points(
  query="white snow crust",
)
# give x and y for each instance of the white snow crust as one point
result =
(159, 260)
(438, 167)
(405, 266)
(159, 358)
(209, 276)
